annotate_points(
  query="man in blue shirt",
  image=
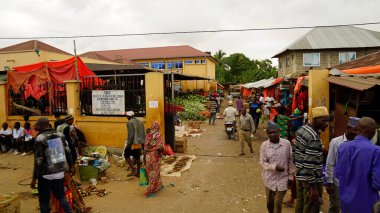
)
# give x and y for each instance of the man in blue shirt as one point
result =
(332, 185)
(358, 170)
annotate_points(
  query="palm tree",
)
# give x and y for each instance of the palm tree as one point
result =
(219, 56)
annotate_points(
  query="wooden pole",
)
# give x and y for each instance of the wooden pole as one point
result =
(77, 71)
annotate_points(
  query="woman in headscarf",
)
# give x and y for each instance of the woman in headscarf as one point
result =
(153, 148)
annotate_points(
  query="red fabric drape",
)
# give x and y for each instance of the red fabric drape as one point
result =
(34, 77)
(296, 90)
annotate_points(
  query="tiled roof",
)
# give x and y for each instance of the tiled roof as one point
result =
(32, 45)
(335, 38)
(184, 51)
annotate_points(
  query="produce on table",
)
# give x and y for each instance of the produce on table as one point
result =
(193, 105)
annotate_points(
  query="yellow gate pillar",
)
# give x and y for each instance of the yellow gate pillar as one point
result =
(72, 95)
(154, 91)
(319, 96)
(3, 102)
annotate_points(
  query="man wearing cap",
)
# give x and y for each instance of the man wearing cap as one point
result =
(230, 113)
(358, 170)
(135, 140)
(332, 185)
(308, 157)
(51, 159)
(278, 168)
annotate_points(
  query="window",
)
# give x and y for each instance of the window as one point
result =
(144, 64)
(311, 59)
(158, 65)
(174, 65)
(178, 64)
(346, 56)
(287, 59)
(203, 61)
(169, 65)
(189, 62)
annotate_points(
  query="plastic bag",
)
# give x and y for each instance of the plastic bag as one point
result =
(143, 177)
(168, 150)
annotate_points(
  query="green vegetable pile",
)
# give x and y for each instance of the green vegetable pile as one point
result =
(193, 105)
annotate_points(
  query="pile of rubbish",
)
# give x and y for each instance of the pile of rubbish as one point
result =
(191, 129)
(91, 190)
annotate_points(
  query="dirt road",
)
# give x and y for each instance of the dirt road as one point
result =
(218, 181)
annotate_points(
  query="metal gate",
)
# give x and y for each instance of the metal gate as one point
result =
(132, 84)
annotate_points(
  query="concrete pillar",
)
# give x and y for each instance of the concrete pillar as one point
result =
(72, 94)
(3, 102)
(319, 95)
(154, 90)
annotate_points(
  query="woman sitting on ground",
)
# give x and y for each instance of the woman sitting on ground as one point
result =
(153, 148)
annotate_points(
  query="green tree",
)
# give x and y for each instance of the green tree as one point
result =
(239, 68)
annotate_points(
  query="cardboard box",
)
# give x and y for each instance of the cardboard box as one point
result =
(180, 145)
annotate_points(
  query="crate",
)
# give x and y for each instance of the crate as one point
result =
(9, 203)
(88, 172)
(180, 145)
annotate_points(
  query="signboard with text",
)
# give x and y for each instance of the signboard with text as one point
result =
(108, 102)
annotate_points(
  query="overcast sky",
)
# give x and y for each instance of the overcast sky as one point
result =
(92, 17)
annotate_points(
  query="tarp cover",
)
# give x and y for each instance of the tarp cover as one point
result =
(364, 70)
(33, 77)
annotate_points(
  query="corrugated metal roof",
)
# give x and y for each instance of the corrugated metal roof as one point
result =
(335, 38)
(355, 83)
(184, 51)
(262, 83)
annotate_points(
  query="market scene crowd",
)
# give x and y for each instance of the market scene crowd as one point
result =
(292, 158)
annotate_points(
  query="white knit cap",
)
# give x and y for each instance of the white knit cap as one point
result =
(130, 113)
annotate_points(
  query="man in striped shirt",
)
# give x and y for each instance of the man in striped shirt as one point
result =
(213, 106)
(308, 158)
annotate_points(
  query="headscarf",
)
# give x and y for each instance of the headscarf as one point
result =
(153, 140)
(155, 128)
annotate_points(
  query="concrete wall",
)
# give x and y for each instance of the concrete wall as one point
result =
(101, 130)
(328, 59)
(319, 96)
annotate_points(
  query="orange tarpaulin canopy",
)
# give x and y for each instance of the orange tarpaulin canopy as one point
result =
(34, 77)
(364, 70)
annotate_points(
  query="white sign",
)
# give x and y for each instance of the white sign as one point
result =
(153, 104)
(108, 102)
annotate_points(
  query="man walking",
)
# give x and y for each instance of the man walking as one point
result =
(278, 168)
(358, 170)
(50, 162)
(68, 130)
(246, 128)
(136, 137)
(332, 185)
(308, 157)
(212, 108)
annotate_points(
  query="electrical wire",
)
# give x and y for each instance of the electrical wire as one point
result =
(186, 32)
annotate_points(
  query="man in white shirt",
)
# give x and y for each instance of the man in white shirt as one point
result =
(230, 113)
(5, 138)
(18, 134)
